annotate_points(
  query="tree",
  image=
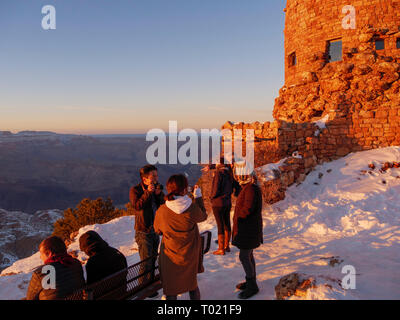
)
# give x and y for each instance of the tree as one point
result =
(87, 212)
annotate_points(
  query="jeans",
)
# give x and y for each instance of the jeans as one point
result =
(223, 218)
(246, 257)
(194, 295)
(148, 247)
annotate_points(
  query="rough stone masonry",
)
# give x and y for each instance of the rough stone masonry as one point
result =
(357, 93)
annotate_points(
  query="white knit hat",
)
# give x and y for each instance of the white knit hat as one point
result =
(243, 172)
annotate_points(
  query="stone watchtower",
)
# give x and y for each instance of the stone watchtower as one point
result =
(335, 27)
(341, 91)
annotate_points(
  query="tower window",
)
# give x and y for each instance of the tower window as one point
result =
(292, 59)
(379, 44)
(334, 50)
(398, 43)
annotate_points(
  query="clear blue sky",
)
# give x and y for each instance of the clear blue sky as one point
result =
(128, 66)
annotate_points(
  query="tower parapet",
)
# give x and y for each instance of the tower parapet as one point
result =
(316, 28)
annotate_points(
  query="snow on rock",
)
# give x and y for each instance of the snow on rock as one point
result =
(270, 171)
(348, 218)
(321, 124)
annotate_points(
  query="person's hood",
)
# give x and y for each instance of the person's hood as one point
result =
(180, 204)
(91, 243)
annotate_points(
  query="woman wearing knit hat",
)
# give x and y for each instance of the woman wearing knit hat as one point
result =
(247, 226)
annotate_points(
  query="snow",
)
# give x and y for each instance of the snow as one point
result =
(346, 213)
(321, 124)
(268, 172)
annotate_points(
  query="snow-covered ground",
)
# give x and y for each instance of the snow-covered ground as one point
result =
(343, 210)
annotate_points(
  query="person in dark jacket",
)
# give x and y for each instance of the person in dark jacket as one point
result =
(223, 185)
(103, 260)
(60, 275)
(146, 198)
(247, 227)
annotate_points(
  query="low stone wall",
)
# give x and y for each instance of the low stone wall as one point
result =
(362, 130)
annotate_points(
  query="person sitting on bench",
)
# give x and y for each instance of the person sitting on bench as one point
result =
(60, 275)
(103, 260)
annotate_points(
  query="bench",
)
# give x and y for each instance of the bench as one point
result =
(130, 283)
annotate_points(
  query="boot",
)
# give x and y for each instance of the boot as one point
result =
(220, 251)
(226, 242)
(241, 286)
(251, 289)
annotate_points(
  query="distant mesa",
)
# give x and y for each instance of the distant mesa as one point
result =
(27, 133)
(30, 133)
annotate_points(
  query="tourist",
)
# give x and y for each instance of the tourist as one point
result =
(247, 227)
(181, 250)
(146, 198)
(103, 260)
(63, 273)
(223, 185)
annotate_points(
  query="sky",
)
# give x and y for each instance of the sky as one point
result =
(119, 67)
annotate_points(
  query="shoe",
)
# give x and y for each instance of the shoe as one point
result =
(251, 289)
(241, 286)
(220, 251)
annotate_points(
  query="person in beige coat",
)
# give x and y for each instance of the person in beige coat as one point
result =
(180, 249)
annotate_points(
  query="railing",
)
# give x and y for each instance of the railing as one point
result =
(128, 283)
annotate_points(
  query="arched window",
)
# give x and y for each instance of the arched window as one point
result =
(292, 59)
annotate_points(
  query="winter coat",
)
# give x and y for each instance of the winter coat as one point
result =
(69, 278)
(103, 259)
(223, 185)
(247, 220)
(142, 202)
(180, 249)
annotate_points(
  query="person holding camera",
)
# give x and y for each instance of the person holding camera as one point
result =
(146, 198)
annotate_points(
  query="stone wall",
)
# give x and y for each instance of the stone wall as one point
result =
(310, 24)
(358, 97)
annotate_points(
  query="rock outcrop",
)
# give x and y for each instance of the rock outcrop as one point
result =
(21, 233)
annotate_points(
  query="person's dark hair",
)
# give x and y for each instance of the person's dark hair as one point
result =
(176, 185)
(144, 172)
(53, 245)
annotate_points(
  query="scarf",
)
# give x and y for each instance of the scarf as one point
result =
(63, 258)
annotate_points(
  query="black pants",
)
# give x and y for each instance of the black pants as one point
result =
(246, 257)
(194, 295)
(223, 218)
(148, 247)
